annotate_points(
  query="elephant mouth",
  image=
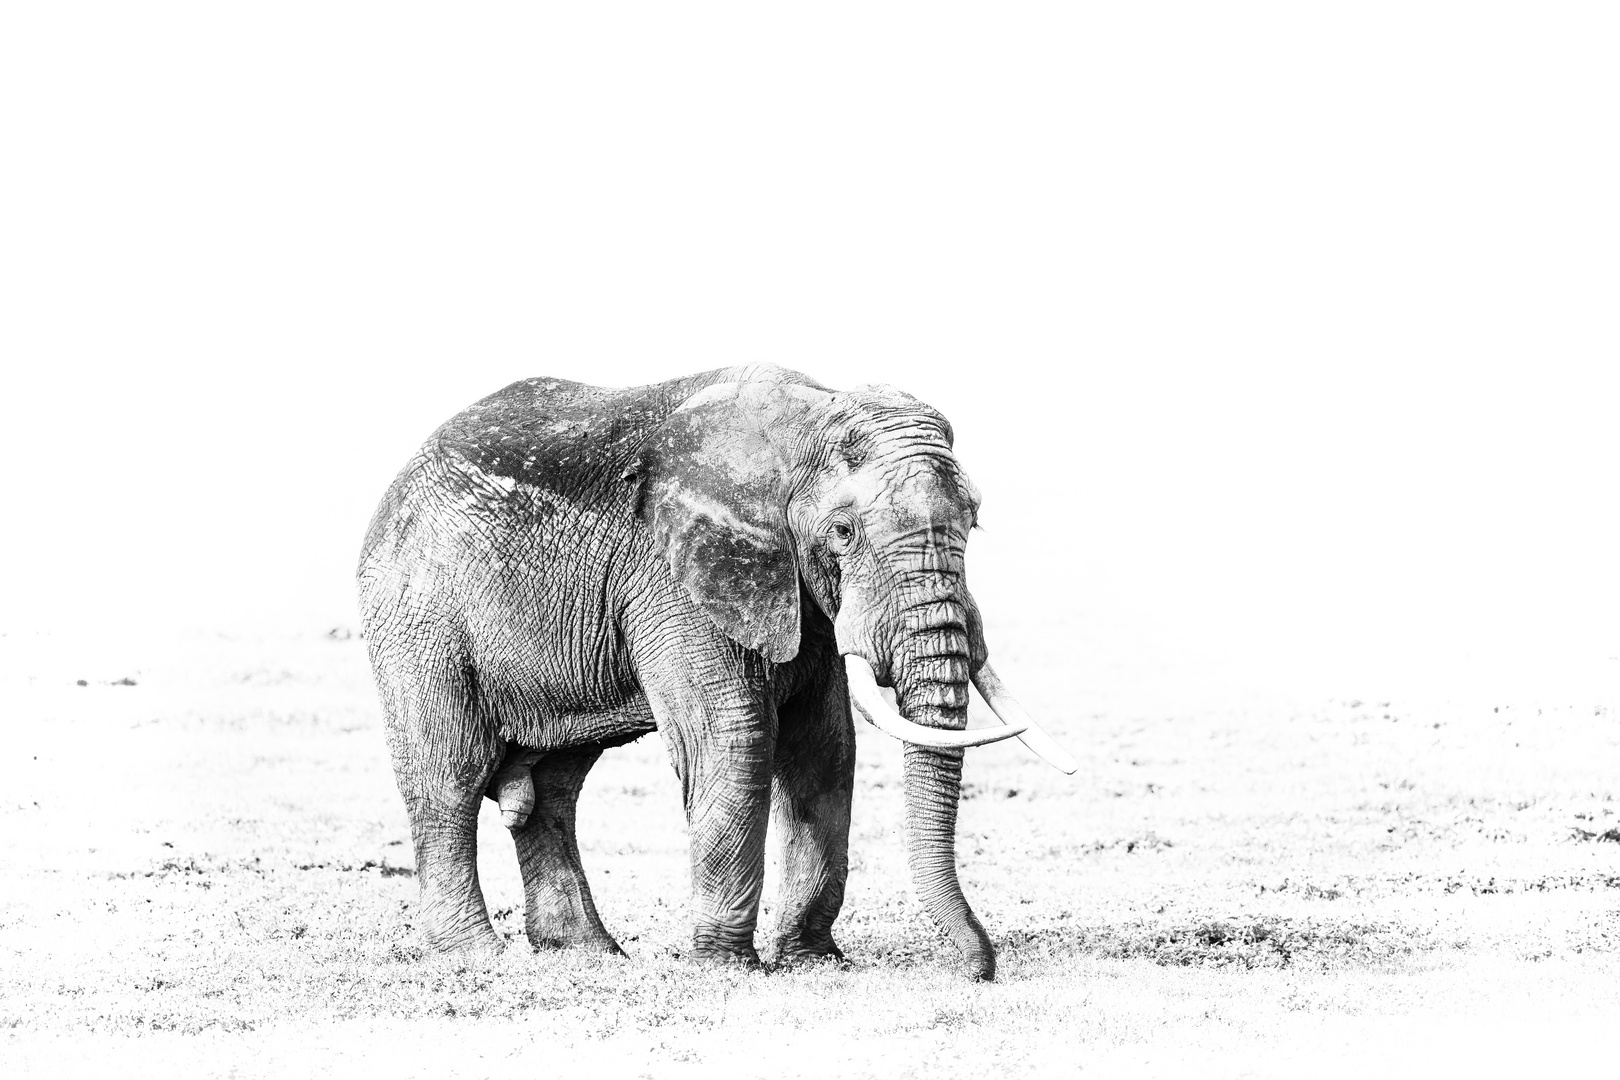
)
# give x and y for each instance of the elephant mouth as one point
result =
(869, 702)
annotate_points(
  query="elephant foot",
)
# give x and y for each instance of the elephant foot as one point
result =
(730, 953)
(541, 941)
(793, 950)
(724, 941)
(462, 932)
(474, 947)
(747, 961)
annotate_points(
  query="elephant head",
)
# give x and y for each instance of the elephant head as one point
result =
(758, 487)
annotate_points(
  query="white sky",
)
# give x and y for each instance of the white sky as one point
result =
(1279, 333)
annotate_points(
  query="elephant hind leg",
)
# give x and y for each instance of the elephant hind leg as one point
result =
(444, 756)
(557, 898)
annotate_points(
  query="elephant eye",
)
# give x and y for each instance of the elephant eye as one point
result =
(840, 535)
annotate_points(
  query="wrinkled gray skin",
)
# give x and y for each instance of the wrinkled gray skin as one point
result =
(563, 568)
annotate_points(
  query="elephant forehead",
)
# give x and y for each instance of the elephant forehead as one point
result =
(918, 480)
(906, 497)
(865, 424)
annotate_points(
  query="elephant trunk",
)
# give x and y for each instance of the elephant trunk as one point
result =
(931, 679)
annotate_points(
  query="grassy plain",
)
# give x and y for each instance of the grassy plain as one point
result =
(208, 872)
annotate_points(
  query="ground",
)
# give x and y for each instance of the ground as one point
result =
(207, 871)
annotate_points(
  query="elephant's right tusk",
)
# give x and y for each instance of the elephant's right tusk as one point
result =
(1001, 702)
(863, 694)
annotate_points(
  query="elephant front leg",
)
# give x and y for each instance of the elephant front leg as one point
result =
(724, 762)
(814, 782)
(559, 910)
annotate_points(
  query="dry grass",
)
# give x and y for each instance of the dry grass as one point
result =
(208, 872)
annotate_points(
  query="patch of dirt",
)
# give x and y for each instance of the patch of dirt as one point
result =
(1130, 845)
(350, 868)
(1494, 886)
(192, 866)
(1265, 942)
(971, 790)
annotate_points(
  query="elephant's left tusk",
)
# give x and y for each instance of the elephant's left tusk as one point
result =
(1001, 702)
(863, 694)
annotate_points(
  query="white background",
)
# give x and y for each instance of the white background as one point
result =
(1276, 335)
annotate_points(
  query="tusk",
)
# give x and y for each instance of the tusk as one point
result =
(863, 694)
(996, 696)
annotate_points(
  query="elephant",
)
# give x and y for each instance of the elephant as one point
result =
(735, 559)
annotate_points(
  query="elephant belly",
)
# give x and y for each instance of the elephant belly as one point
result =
(554, 728)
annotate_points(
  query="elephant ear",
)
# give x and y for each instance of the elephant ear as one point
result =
(714, 490)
